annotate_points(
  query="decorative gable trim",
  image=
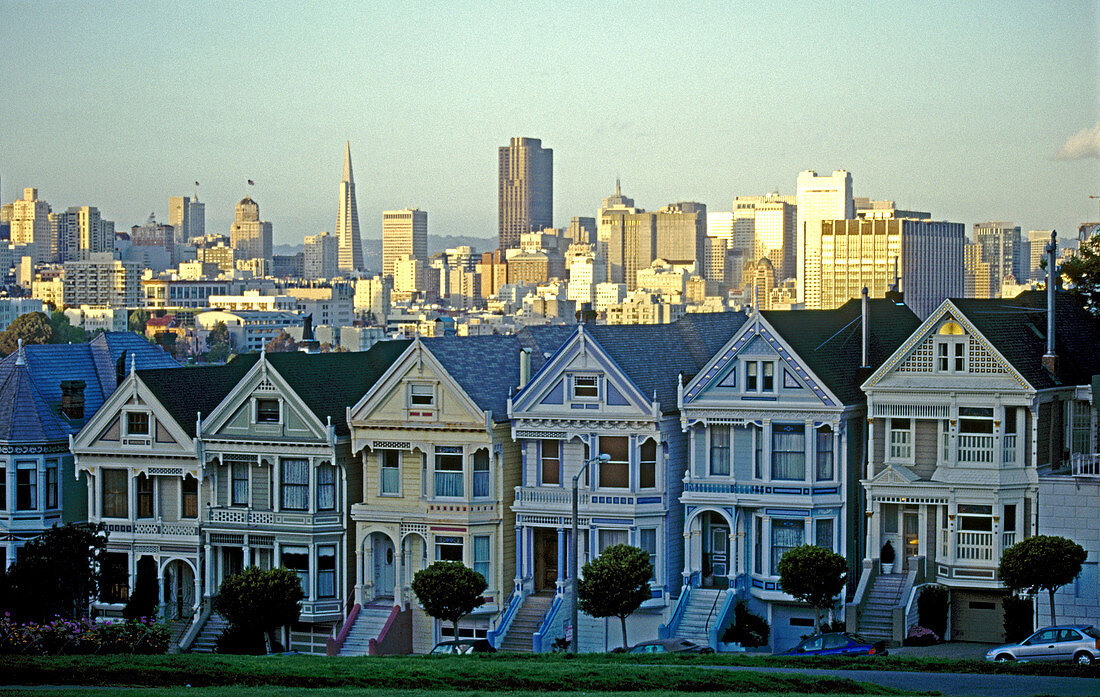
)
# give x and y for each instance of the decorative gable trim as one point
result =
(895, 474)
(264, 379)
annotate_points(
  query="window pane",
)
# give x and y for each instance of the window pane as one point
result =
(550, 463)
(789, 451)
(51, 485)
(586, 386)
(240, 484)
(481, 555)
(114, 493)
(823, 533)
(615, 473)
(26, 486)
(824, 463)
(391, 472)
(144, 486)
(295, 484)
(448, 475)
(326, 487)
(720, 450)
(647, 466)
(297, 559)
(421, 395)
(786, 534)
(267, 411)
(190, 487)
(448, 548)
(481, 473)
(769, 377)
(326, 571)
(647, 541)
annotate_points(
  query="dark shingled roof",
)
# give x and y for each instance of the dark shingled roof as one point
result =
(24, 415)
(329, 383)
(831, 341)
(653, 356)
(1017, 327)
(187, 392)
(486, 367)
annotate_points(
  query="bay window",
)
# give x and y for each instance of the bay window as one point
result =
(647, 465)
(52, 500)
(615, 473)
(294, 484)
(326, 571)
(481, 473)
(789, 451)
(448, 471)
(326, 487)
(607, 538)
(787, 533)
(297, 560)
(824, 448)
(26, 486)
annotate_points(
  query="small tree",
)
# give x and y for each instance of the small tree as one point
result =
(31, 327)
(814, 575)
(56, 573)
(449, 590)
(1082, 271)
(281, 343)
(1044, 562)
(137, 320)
(64, 332)
(256, 602)
(615, 584)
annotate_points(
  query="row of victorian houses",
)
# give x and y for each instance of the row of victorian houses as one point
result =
(717, 443)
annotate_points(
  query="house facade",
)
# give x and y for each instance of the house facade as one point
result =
(432, 440)
(961, 419)
(775, 425)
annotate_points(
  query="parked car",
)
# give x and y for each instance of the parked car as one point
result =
(462, 646)
(1067, 642)
(837, 644)
(669, 646)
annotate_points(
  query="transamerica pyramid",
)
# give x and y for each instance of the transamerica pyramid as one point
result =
(347, 222)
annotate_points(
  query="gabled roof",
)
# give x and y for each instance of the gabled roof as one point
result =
(187, 392)
(1017, 328)
(329, 383)
(48, 365)
(485, 367)
(24, 416)
(653, 355)
(830, 342)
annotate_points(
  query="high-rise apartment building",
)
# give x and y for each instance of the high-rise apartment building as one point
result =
(30, 225)
(925, 257)
(525, 192)
(102, 280)
(827, 197)
(404, 233)
(347, 220)
(250, 236)
(187, 216)
(1036, 245)
(978, 277)
(78, 232)
(322, 256)
(1002, 247)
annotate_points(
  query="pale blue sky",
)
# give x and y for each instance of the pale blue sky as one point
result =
(954, 108)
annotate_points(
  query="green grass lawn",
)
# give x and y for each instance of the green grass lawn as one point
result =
(353, 692)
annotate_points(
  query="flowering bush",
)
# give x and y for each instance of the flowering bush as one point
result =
(921, 636)
(146, 636)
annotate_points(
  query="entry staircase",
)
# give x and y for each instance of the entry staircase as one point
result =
(368, 625)
(207, 640)
(700, 614)
(876, 622)
(526, 623)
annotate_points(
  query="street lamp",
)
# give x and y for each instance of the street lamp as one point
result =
(602, 457)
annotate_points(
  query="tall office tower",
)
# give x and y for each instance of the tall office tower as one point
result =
(978, 280)
(322, 257)
(525, 191)
(347, 220)
(1001, 245)
(774, 225)
(30, 225)
(675, 233)
(719, 236)
(819, 198)
(610, 217)
(925, 256)
(581, 230)
(187, 217)
(1035, 247)
(682, 234)
(404, 233)
(250, 236)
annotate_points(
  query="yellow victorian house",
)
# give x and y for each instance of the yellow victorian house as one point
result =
(439, 470)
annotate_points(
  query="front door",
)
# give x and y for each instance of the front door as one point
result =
(546, 559)
(383, 566)
(719, 553)
(911, 535)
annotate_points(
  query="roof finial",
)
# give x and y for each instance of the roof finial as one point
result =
(133, 362)
(20, 359)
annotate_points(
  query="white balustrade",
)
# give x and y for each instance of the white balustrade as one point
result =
(975, 448)
(973, 546)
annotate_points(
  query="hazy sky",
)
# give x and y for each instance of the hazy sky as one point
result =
(970, 110)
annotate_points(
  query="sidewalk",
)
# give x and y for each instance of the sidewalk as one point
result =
(951, 649)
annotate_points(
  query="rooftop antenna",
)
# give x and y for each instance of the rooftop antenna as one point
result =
(1097, 198)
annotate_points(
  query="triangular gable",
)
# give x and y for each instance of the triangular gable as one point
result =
(917, 355)
(385, 402)
(895, 474)
(103, 431)
(757, 338)
(233, 416)
(548, 390)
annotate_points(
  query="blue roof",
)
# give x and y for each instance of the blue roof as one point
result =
(24, 415)
(486, 367)
(95, 362)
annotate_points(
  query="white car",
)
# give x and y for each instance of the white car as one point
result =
(1068, 642)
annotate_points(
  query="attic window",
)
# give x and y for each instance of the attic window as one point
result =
(586, 387)
(267, 411)
(137, 423)
(421, 395)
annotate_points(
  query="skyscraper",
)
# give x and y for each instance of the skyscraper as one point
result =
(30, 224)
(525, 189)
(322, 256)
(187, 217)
(404, 233)
(250, 236)
(347, 220)
(1002, 247)
(819, 198)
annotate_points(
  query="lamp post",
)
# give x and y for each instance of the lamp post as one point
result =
(602, 457)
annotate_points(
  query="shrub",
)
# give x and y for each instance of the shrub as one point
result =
(932, 609)
(69, 637)
(1018, 617)
(748, 629)
(241, 640)
(256, 602)
(921, 636)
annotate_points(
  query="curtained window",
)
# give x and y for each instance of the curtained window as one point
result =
(824, 460)
(52, 500)
(481, 474)
(239, 481)
(114, 493)
(326, 488)
(720, 450)
(786, 534)
(144, 486)
(647, 542)
(391, 471)
(481, 557)
(295, 484)
(823, 533)
(297, 560)
(789, 451)
(326, 571)
(448, 475)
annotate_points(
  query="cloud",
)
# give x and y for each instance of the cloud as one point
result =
(1081, 145)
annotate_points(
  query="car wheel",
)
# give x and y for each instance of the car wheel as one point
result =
(1083, 658)
(1005, 658)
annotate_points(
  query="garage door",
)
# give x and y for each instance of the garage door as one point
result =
(977, 617)
(789, 624)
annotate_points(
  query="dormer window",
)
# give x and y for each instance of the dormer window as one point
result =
(586, 387)
(137, 423)
(267, 411)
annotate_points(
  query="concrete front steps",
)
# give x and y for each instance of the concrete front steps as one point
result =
(876, 622)
(701, 607)
(526, 623)
(368, 625)
(207, 640)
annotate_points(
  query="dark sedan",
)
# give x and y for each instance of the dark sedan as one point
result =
(837, 644)
(669, 646)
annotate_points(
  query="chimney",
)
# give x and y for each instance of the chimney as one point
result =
(865, 319)
(524, 367)
(1050, 359)
(72, 399)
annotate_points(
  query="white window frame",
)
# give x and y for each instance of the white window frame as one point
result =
(909, 444)
(417, 390)
(382, 471)
(148, 423)
(595, 385)
(756, 386)
(948, 349)
(256, 410)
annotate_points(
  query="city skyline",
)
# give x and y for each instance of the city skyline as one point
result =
(994, 120)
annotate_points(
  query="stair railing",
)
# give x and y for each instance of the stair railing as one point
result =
(706, 625)
(197, 623)
(546, 625)
(335, 643)
(854, 610)
(722, 618)
(665, 631)
(504, 619)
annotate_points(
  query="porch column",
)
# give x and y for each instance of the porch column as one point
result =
(520, 556)
(312, 571)
(94, 503)
(766, 450)
(276, 555)
(952, 511)
(312, 486)
(766, 545)
(160, 607)
(131, 496)
(276, 485)
(561, 555)
(809, 454)
(198, 591)
(998, 433)
(732, 555)
(874, 528)
(208, 572)
(398, 572)
(359, 572)
(246, 556)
